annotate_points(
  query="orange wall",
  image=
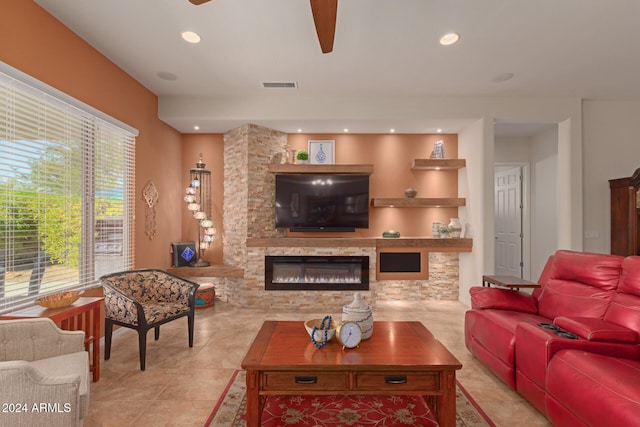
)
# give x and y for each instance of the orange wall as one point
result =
(391, 156)
(34, 42)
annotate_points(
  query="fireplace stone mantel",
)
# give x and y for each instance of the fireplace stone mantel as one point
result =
(429, 243)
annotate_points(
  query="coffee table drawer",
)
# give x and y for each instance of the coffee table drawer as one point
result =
(296, 381)
(400, 381)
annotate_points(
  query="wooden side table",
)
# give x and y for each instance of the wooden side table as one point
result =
(82, 315)
(511, 282)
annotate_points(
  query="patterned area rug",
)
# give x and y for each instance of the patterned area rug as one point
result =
(334, 411)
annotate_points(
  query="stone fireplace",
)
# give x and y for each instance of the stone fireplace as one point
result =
(250, 236)
(316, 273)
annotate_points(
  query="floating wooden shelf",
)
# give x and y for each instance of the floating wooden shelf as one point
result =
(438, 164)
(429, 243)
(320, 169)
(406, 202)
(214, 270)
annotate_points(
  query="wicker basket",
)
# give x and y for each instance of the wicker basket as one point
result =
(60, 300)
(319, 334)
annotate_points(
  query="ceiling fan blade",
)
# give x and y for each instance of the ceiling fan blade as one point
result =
(324, 16)
(199, 2)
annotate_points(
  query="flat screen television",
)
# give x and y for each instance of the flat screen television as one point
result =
(327, 202)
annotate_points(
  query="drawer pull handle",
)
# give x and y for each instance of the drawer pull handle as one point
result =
(396, 379)
(306, 379)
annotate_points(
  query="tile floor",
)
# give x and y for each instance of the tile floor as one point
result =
(181, 385)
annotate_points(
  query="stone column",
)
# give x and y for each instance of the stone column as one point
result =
(249, 192)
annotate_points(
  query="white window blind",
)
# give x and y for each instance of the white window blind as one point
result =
(66, 192)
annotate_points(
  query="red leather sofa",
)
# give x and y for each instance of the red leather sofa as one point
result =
(572, 347)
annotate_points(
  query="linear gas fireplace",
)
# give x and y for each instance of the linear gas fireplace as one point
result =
(316, 273)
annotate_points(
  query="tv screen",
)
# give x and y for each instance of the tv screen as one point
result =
(307, 202)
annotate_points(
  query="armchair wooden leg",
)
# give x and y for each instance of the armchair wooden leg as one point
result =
(190, 320)
(108, 331)
(142, 344)
(157, 333)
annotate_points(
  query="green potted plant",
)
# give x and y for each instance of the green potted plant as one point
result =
(302, 156)
(444, 231)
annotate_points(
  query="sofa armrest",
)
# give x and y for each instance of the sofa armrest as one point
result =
(593, 329)
(34, 339)
(27, 387)
(536, 346)
(502, 299)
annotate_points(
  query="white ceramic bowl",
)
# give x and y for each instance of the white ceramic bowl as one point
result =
(319, 335)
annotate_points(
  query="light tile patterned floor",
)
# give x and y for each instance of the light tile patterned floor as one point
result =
(181, 385)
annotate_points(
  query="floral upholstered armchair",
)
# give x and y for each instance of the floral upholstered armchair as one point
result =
(145, 299)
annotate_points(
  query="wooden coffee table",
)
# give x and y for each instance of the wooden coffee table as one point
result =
(401, 358)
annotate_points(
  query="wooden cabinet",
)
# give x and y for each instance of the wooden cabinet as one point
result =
(625, 215)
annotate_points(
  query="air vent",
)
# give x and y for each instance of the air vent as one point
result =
(280, 85)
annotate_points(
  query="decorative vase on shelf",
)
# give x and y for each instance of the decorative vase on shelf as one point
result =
(360, 312)
(455, 228)
(411, 192)
(435, 229)
(438, 150)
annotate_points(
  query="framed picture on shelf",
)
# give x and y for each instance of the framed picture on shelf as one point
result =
(321, 152)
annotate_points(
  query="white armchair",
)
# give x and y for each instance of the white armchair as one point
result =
(44, 374)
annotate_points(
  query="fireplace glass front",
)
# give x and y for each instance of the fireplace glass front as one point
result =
(304, 273)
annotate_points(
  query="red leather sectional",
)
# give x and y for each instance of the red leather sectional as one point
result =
(572, 347)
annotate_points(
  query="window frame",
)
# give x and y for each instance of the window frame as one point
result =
(98, 131)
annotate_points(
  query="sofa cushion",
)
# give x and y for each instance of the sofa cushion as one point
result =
(581, 284)
(599, 390)
(593, 329)
(69, 364)
(624, 309)
(502, 299)
(163, 310)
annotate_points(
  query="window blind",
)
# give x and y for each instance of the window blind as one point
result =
(66, 192)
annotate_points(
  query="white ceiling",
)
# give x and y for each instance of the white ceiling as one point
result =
(383, 48)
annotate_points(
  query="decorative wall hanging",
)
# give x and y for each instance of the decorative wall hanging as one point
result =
(198, 199)
(150, 196)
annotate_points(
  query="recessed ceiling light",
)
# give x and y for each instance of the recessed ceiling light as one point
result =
(164, 75)
(449, 39)
(191, 37)
(439, 130)
(299, 130)
(502, 77)
(392, 130)
(196, 127)
(346, 130)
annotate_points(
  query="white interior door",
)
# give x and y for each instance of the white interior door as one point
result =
(508, 222)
